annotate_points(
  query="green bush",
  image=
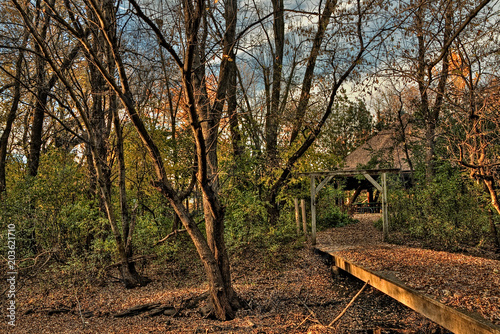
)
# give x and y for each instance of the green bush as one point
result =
(53, 211)
(328, 213)
(448, 211)
(334, 217)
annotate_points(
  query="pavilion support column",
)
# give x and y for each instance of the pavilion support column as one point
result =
(304, 217)
(385, 217)
(383, 189)
(313, 209)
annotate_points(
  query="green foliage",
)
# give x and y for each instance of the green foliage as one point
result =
(349, 126)
(448, 211)
(52, 212)
(329, 214)
(334, 217)
(245, 215)
(246, 223)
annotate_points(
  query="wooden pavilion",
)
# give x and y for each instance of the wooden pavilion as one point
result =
(381, 154)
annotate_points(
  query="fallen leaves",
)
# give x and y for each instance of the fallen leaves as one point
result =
(461, 281)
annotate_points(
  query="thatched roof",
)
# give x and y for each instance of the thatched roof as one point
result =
(382, 150)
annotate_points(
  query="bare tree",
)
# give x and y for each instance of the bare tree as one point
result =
(94, 117)
(426, 43)
(474, 99)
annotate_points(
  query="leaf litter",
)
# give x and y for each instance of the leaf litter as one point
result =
(295, 292)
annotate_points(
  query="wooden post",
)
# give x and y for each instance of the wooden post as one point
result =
(313, 209)
(385, 219)
(304, 217)
(297, 215)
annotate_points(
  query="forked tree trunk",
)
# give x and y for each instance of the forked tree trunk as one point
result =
(130, 277)
(220, 289)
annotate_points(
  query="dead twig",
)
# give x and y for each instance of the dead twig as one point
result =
(27, 276)
(303, 321)
(311, 313)
(79, 308)
(348, 305)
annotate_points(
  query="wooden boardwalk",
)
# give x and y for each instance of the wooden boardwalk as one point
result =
(451, 319)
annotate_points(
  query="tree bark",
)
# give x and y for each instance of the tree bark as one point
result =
(11, 116)
(232, 106)
(41, 96)
(494, 232)
(425, 79)
(272, 116)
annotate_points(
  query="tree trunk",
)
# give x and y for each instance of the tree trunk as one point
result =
(272, 116)
(309, 73)
(41, 96)
(273, 210)
(494, 232)
(430, 143)
(11, 116)
(425, 72)
(490, 185)
(38, 118)
(232, 106)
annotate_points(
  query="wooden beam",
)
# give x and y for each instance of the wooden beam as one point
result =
(351, 172)
(323, 183)
(451, 319)
(383, 189)
(372, 181)
(304, 216)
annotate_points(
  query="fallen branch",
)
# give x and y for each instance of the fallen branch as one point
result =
(35, 259)
(171, 234)
(174, 233)
(194, 301)
(348, 305)
(33, 273)
(138, 309)
(311, 313)
(59, 310)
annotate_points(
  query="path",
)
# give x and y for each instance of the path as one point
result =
(467, 283)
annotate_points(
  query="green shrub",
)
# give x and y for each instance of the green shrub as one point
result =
(334, 217)
(448, 211)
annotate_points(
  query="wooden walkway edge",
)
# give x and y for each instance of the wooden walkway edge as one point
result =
(450, 318)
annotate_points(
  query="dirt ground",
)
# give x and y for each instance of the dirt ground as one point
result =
(291, 293)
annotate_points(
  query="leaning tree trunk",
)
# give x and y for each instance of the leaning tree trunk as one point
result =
(490, 185)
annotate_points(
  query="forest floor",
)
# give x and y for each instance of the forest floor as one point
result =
(289, 291)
